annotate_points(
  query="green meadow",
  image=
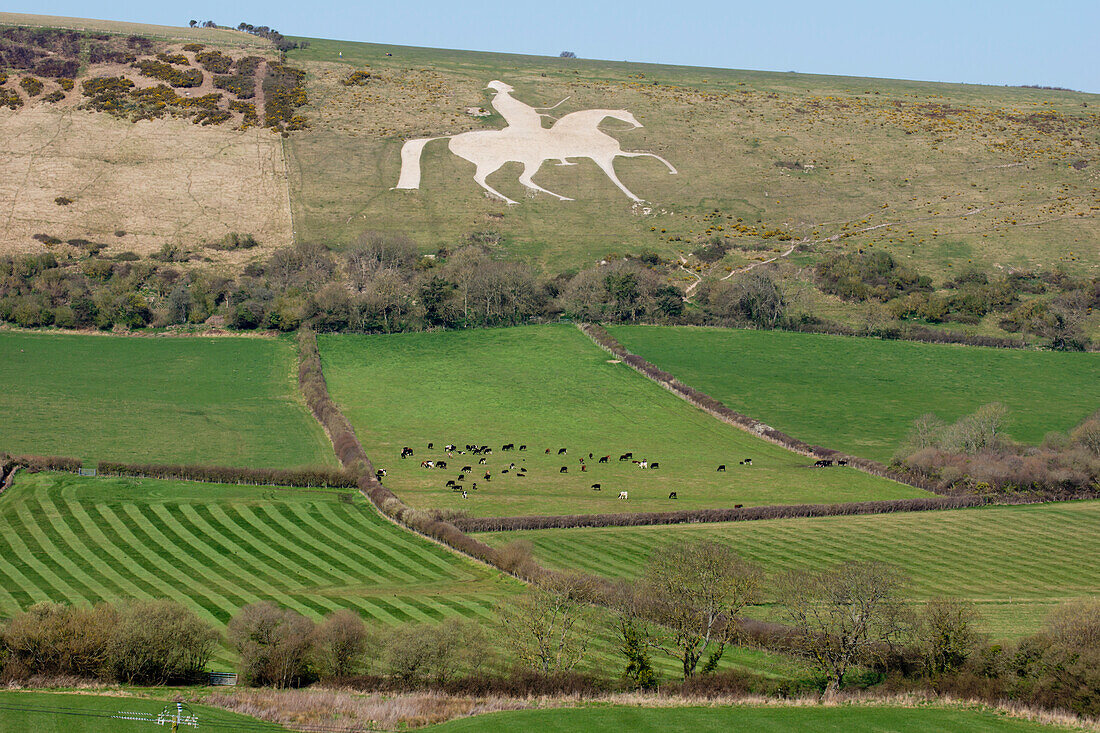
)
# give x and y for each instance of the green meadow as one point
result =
(861, 395)
(1015, 563)
(820, 719)
(223, 401)
(51, 712)
(549, 387)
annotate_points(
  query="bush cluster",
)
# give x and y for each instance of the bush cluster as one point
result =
(32, 86)
(249, 118)
(215, 62)
(358, 78)
(10, 98)
(177, 59)
(312, 477)
(242, 82)
(284, 91)
(142, 642)
(975, 455)
(866, 276)
(168, 73)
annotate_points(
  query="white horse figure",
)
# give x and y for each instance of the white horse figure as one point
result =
(576, 135)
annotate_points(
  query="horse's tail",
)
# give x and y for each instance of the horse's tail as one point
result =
(410, 162)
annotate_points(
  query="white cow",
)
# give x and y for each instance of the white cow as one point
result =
(622, 495)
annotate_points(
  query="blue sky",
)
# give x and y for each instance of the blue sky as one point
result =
(1009, 42)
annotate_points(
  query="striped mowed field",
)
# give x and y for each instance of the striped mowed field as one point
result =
(1015, 563)
(216, 548)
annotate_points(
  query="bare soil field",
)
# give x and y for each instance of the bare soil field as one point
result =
(165, 182)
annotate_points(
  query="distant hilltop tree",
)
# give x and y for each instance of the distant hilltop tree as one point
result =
(193, 23)
(567, 55)
(271, 34)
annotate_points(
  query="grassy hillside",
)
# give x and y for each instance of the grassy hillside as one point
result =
(549, 387)
(226, 401)
(861, 395)
(48, 712)
(841, 718)
(943, 175)
(216, 548)
(1015, 563)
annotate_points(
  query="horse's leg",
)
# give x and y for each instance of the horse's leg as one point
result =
(483, 172)
(608, 167)
(650, 155)
(529, 170)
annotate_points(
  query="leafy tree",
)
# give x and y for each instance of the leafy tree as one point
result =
(946, 634)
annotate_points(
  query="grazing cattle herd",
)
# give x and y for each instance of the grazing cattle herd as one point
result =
(457, 486)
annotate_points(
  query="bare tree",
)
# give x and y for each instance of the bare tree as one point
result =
(157, 642)
(545, 626)
(434, 651)
(340, 644)
(273, 643)
(844, 615)
(695, 592)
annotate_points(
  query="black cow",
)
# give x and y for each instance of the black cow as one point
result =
(596, 487)
(604, 459)
(440, 464)
(504, 470)
(655, 465)
(672, 495)
(508, 446)
(738, 506)
(406, 452)
(521, 475)
(822, 463)
(488, 476)
(467, 469)
(461, 477)
(842, 462)
(431, 445)
(523, 447)
(563, 469)
(451, 483)
(561, 451)
(722, 467)
(747, 461)
(626, 456)
(590, 456)
(482, 461)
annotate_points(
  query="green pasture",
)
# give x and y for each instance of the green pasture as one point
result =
(861, 395)
(817, 718)
(946, 176)
(1015, 563)
(216, 547)
(549, 387)
(50, 712)
(224, 401)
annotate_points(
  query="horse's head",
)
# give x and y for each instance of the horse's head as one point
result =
(499, 86)
(625, 116)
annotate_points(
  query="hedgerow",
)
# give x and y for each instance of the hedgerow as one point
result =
(311, 477)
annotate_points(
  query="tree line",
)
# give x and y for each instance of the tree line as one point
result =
(853, 623)
(384, 283)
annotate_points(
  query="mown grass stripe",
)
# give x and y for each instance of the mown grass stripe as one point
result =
(292, 570)
(46, 567)
(380, 545)
(218, 601)
(275, 518)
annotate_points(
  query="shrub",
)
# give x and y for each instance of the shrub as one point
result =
(55, 639)
(168, 73)
(865, 276)
(434, 652)
(284, 91)
(242, 82)
(274, 644)
(215, 62)
(173, 58)
(32, 86)
(159, 643)
(10, 98)
(63, 201)
(357, 79)
(193, 47)
(341, 644)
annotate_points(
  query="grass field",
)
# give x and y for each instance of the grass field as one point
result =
(1015, 563)
(861, 395)
(49, 712)
(216, 548)
(947, 176)
(227, 401)
(839, 719)
(550, 387)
